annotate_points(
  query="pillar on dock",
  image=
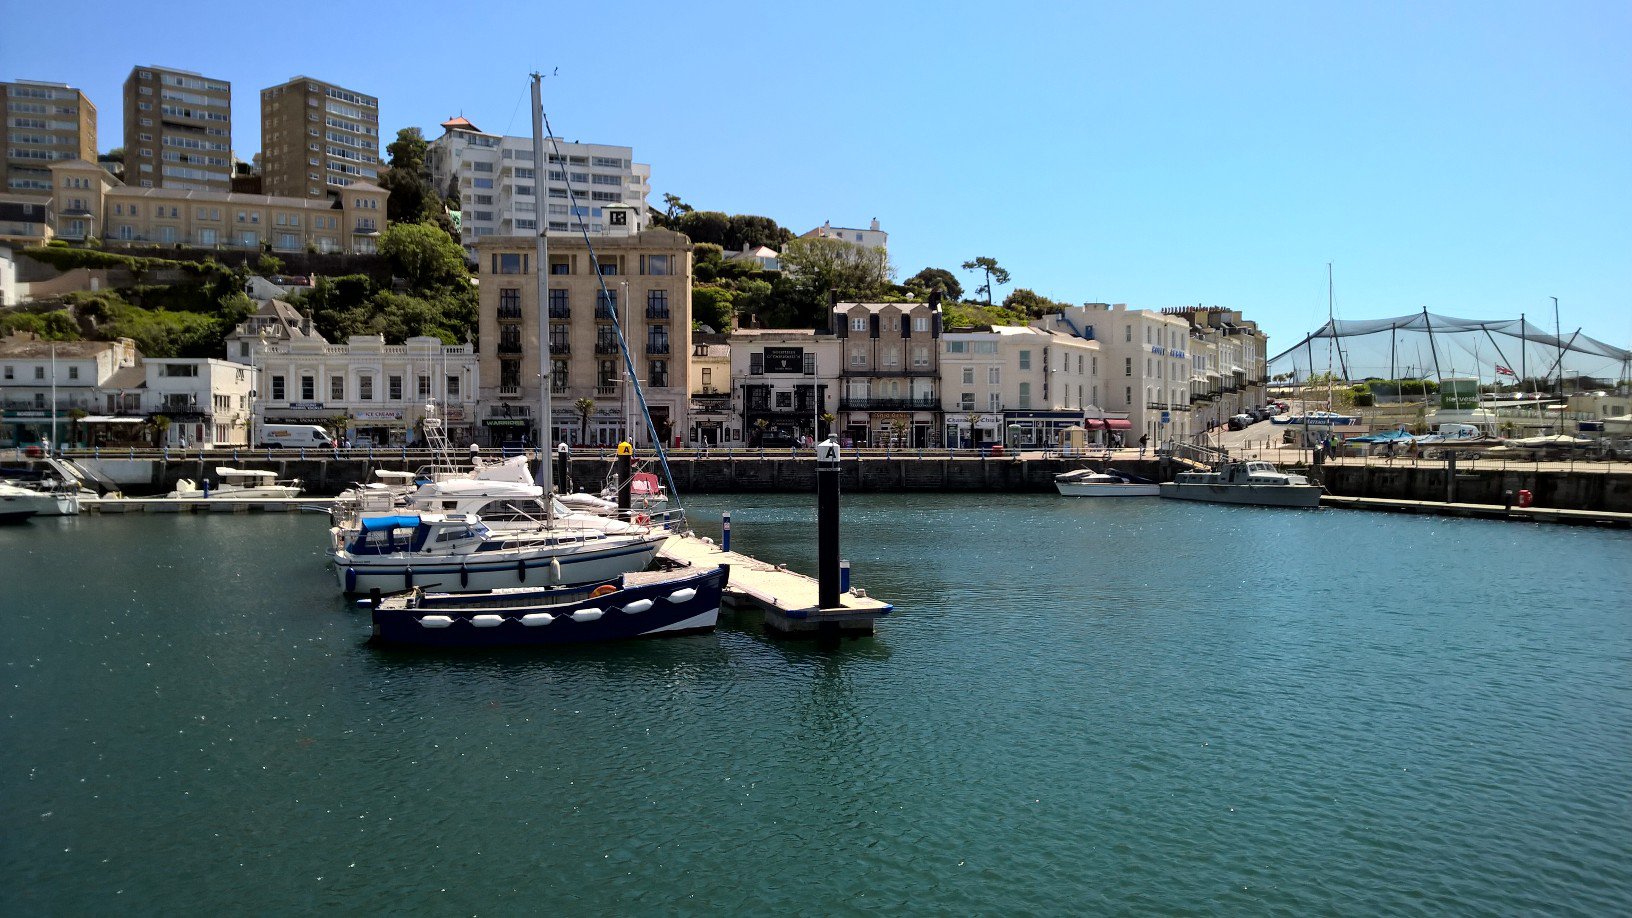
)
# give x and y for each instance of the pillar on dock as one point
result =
(626, 457)
(827, 523)
(563, 460)
(1450, 478)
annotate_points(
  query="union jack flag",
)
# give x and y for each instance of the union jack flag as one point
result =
(1504, 371)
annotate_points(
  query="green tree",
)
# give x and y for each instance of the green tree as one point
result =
(268, 264)
(586, 409)
(713, 306)
(424, 255)
(931, 279)
(705, 226)
(673, 208)
(993, 272)
(751, 230)
(1031, 304)
(822, 266)
(412, 199)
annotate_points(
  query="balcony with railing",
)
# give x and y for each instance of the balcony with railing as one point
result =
(657, 312)
(606, 346)
(606, 391)
(509, 391)
(657, 347)
(560, 311)
(510, 313)
(858, 403)
(603, 312)
(508, 348)
(559, 346)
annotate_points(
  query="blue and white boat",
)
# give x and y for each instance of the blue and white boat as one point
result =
(459, 554)
(633, 605)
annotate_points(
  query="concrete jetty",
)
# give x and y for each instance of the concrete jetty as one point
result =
(1482, 511)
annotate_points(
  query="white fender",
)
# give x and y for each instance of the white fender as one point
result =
(435, 621)
(487, 621)
(555, 570)
(639, 605)
(684, 595)
(586, 615)
(534, 619)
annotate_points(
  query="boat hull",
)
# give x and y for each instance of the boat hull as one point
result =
(8, 516)
(1299, 496)
(473, 573)
(673, 606)
(1131, 489)
(37, 503)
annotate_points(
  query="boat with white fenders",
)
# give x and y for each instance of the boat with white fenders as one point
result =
(1109, 483)
(1250, 482)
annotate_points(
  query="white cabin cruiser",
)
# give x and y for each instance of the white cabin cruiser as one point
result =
(21, 503)
(457, 553)
(239, 484)
(1109, 483)
(1254, 482)
(48, 497)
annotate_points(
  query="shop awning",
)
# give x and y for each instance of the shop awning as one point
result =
(1108, 424)
(109, 419)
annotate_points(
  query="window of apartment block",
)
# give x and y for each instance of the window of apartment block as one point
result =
(1127, 394)
(1025, 395)
(708, 378)
(394, 388)
(308, 388)
(858, 323)
(993, 375)
(968, 376)
(510, 299)
(277, 388)
(365, 388)
(658, 374)
(424, 387)
(655, 264)
(1025, 360)
(1127, 333)
(558, 374)
(1127, 366)
(337, 388)
(606, 373)
(756, 364)
(810, 365)
(509, 374)
(453, 387)
(509, 263)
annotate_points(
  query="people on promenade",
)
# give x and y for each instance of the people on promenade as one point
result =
(1144, 441)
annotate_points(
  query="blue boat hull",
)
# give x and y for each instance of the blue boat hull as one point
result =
(680, 605)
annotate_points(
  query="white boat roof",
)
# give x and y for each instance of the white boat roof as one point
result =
(393, 475)
(224, 472)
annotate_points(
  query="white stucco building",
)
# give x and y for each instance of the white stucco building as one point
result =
(782, 380)
(1144, 365)
(205, 400)
(870, 238)
(498, 191)
(1016, 385)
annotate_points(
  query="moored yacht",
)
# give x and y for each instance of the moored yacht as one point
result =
(239, 484)
(1253, 482)
(1109, 483)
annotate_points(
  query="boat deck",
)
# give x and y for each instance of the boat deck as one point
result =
(789, 600)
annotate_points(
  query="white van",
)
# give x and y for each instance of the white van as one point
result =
(294, 436)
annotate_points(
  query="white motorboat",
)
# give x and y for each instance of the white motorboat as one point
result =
(1109, 483)
(457, 553)
(54, 497)
(239, 484)
(18, 503)
(1255, 482)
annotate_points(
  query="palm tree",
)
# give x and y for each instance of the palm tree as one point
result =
(586, 408)
(827, 418)
(160, 425)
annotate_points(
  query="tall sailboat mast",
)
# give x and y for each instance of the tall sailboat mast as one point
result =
(542, 267)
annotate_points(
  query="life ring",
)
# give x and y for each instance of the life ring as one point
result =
(642, 519)
(605, 589)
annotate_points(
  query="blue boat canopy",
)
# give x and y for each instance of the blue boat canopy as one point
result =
(380, 523)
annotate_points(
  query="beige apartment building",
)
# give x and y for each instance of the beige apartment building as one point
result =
(45, 123)
(891, 373)
(317, 138)
(647, 285)
(1234, 373)
(91, 203)
(178, 130)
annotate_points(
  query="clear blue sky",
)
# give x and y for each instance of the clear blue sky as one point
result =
(1473, 158)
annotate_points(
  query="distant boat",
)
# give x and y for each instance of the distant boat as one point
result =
(18, 503)
(633, 605)
(1318, 419)
(1109, 483)
(1254, 483)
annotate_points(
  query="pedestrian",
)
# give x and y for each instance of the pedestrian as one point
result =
(1144, 441)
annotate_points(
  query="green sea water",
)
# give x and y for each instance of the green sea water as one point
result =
(1088, 707)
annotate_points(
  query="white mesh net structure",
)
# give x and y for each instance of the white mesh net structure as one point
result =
(1430, 346)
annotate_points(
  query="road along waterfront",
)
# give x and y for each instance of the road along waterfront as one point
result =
(1079, 706)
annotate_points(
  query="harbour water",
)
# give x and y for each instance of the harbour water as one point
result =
(1080, 706)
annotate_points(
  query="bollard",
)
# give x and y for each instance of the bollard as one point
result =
(563, 461)
(725, 531)
(1507, 500)
(827, 523)
(206, 487)
(844, 576)
(626, 456)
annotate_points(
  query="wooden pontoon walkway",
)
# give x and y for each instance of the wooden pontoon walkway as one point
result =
(1482, 511)
(788, 599)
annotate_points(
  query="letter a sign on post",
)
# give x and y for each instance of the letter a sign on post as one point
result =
(827, 451)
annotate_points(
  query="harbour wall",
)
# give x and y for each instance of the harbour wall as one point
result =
(1562, 488)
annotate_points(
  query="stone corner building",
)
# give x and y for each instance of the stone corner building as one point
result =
(647, 278)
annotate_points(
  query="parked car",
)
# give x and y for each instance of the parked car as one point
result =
(1240, 421)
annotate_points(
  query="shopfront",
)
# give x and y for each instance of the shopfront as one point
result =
(377, 426)
(972, 431)
(1110, 432)
(1037, 429)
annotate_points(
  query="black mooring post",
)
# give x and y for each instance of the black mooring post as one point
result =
(563, 458)
(626, 455)
(827, 523)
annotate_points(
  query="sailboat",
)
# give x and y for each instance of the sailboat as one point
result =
(488, 530)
